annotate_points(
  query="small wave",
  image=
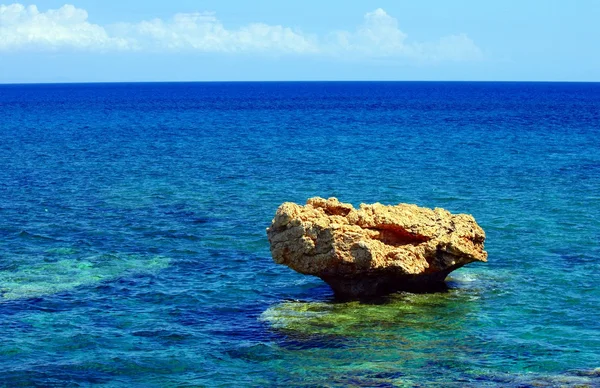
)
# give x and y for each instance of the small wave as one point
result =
(462, 278)
(289, 314)
(62, 251)
(26, 234)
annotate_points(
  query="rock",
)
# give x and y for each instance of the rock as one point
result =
(589, 372)
(376, 249)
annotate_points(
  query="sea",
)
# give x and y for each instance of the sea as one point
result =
(133, 249)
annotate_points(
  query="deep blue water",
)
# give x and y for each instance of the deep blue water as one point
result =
(133, 247)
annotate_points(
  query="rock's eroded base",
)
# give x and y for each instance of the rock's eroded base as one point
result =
(376, 249)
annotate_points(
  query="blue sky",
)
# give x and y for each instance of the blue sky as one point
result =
(186, 40)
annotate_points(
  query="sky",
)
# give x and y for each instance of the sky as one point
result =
(269, 40)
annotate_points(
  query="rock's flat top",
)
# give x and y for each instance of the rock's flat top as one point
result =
(388, 245)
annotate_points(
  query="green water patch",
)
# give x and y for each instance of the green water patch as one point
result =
(67, 274)
(445, 311)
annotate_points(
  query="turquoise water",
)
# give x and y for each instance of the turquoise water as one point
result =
(133, 247)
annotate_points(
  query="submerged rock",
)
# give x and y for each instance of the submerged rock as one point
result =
(65, 275)
(376, 249)
(403, 315)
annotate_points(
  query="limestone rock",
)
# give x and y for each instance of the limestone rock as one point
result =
(376, 249)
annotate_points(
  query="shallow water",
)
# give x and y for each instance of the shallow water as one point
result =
(133, 246)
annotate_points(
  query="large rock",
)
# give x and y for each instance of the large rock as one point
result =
(376, 249)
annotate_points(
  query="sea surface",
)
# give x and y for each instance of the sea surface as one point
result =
(133, 249)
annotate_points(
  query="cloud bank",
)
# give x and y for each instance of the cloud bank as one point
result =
(26, 28)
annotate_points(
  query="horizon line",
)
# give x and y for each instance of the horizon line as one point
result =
(286, 81)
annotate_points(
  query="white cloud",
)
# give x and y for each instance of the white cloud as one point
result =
(379, 36)
(26, 28)
(204, 32)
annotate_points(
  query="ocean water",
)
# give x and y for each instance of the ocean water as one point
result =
(133, 249)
